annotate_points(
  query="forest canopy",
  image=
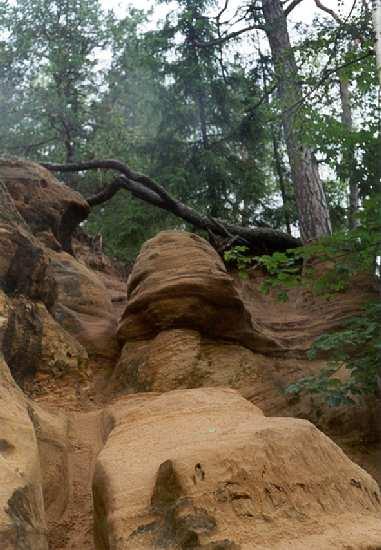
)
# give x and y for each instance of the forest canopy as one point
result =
(239, 112)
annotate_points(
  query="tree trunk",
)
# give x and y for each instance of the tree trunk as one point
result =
(376, 15)
(212, 191)
(310, 198)
(349, 158)
(279, 168)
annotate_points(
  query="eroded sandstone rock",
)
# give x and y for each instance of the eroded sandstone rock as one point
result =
(22, 519)
(172, 340)
(297, 322)
(83, 305)
(59, 311)
(179, 281)
(52, 435)
(204, 468)
(34, 343)
(43, 202)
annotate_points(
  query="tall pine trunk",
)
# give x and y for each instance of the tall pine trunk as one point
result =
(310, 198)
(280, 171)
(376, 15)
(349, 159)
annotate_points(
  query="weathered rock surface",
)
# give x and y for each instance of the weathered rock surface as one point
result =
(174, 339)
(35, 345)
(55, 312)
(22, 518)
(58, 311)
(296, 323)
(83, 306)
(52, 435)
(68, 446)
(190, 468)
(182, 358)
(45, 205)
(179, 281)
(24, 265)
(204, 468)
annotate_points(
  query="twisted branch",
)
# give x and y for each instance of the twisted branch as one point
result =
(262, 239)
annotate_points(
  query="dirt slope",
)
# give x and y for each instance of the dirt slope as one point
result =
(74, 529)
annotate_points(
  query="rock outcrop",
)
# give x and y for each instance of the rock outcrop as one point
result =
(83, 305)
(44, 205)
(56, 311)
(22, 517)
(179, 281)
(204, 468)
(161, 419)
(189, 323)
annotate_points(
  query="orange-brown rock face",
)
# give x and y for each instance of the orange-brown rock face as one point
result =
(179, 281)
(22, 518)
(83, 305)
(58, 311)
(204, 468)
(296, 323)
(182, 305)
(34, 343)
(180, 468)
(44, 204)
(189, 323)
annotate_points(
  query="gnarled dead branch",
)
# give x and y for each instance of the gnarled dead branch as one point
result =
(260, 239)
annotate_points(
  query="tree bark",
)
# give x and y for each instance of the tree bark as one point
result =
(280, 170)
(347, 120)
(310, 198)
(262, 240)
(349, 158)
(376, 15)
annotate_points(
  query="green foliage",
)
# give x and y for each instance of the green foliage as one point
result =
(356, 349)
(237, 256)
(326, 268)
(78, 82)
(173, 112)
(350, 153)
(51, 76)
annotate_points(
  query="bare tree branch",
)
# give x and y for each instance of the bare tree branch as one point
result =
(111, 164)
(262, 239)
(222, 11)
(292, 6)
(107, 193)
(330, 12)
(229, 36)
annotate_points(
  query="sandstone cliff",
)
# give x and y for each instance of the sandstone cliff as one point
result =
(148, 413)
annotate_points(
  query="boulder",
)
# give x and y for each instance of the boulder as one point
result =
(44, 203)
(204, 468)
(48, 287)
(179, 281)
(34, 344)
(22, 520)
(173, 338)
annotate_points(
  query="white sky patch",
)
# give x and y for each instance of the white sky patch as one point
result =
(305, 12)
